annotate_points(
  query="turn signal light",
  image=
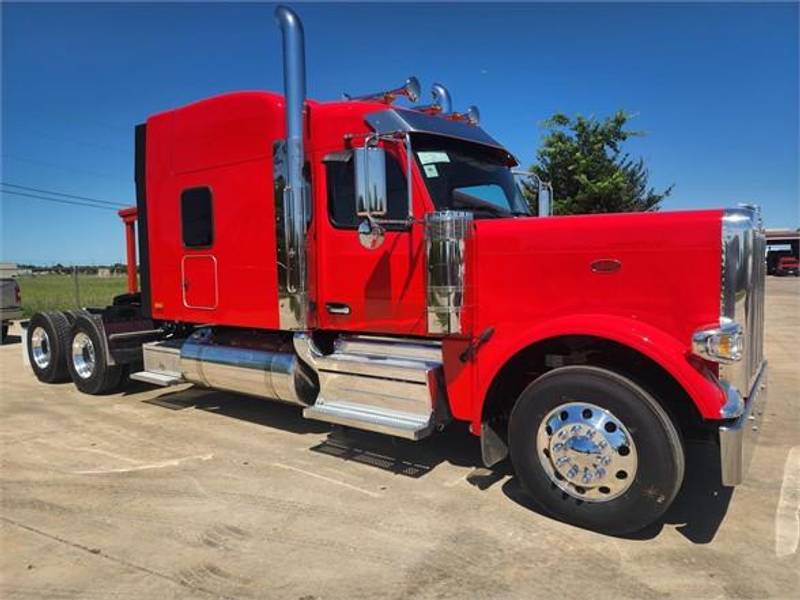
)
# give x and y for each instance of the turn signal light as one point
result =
(723, 343)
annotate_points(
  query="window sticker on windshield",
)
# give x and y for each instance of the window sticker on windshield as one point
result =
(431, 171)
(433, 157)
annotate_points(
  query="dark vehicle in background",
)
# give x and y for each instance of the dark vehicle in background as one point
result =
(10, 304)
(787, 265)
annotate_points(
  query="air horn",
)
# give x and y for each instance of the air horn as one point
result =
(409, 90)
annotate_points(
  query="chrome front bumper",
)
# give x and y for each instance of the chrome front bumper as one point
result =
(738, 438)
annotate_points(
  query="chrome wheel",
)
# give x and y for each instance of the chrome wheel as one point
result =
(83, 357)
(587, 452)
(40, 347)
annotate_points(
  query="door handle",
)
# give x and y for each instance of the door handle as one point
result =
(337, 308)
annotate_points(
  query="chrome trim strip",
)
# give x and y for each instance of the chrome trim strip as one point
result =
(737, 439)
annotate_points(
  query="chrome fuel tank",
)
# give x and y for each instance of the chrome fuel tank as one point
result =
(264, 370)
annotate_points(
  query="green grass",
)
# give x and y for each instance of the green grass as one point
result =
(57, 292)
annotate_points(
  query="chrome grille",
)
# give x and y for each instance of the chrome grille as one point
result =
(742, 291)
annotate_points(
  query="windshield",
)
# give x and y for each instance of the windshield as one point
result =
(464, 176)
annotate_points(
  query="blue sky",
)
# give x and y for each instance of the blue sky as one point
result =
(715, 86)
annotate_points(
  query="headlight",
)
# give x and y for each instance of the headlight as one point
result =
(723, 343)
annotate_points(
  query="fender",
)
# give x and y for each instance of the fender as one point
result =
(659, 346)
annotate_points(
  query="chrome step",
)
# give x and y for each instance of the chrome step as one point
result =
(162, 379)
(388, 385)
(412, 427)
(161, 363)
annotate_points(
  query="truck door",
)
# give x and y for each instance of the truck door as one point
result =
(378, 290)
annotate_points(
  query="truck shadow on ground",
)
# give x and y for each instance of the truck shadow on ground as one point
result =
(245, 408)
(697, 512)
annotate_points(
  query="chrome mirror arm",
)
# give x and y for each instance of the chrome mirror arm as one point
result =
(545, 208)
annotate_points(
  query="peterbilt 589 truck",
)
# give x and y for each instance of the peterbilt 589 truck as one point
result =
(377, 265)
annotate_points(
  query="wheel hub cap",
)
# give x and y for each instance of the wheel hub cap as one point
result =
(83, 358)
(587, 452)
(40, 347)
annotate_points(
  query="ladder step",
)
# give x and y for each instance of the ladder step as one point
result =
(404, 425)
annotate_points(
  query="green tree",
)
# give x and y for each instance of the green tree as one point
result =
(584, 160)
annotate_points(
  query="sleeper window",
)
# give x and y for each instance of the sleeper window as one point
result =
(197, 217)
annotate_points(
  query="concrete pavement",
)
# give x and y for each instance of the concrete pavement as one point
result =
(186, 493)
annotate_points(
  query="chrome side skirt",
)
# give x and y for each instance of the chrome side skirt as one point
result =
(387, 385)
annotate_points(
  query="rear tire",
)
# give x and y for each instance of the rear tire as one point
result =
(86, 358)
(48, 333)
(73, 314)
(4, 334)
(595, 450)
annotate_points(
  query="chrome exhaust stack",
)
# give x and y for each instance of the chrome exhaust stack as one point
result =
(292, 211)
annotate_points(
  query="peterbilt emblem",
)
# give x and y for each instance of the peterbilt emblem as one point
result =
(606, 265)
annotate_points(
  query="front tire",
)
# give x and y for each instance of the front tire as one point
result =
(86, 358)
(595, 450)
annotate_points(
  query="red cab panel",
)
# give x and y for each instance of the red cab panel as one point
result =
(223, 145)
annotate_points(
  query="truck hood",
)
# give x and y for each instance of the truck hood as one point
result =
(662, 269)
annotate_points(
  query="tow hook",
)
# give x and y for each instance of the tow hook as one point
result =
(472, 349)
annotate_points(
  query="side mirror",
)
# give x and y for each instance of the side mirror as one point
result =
(370, 179)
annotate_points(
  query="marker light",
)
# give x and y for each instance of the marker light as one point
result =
(723, 343)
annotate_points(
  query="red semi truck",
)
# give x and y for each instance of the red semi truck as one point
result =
(378, 266)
